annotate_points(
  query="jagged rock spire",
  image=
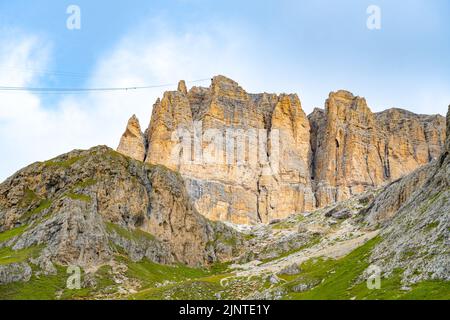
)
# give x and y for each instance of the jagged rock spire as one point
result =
(182, 87)
(132, 143)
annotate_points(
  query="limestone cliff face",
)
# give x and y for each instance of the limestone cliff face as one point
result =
(132, 143)
(342, 150)
(412, 140)
(249, 158)
(245, 157)
(355, 149)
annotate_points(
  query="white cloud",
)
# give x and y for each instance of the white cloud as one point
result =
(33, 132)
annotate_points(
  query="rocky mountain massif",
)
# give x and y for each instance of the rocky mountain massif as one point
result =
(307, 162)
(85, 208)
(135, 233)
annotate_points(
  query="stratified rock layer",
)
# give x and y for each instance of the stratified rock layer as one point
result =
(249, 158)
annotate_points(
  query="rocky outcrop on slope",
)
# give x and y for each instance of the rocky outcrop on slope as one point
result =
(84, 207)
(416, 239)
(15, 272)
(249, 158)
(447, 144)
(132, 144)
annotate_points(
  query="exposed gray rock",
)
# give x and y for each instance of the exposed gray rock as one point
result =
(45, 265)
(269, 294)
(300, 287)
(395, 195)
(273, 279)
(73, 235)
(14, 272)
(291, 270)
(416, 238)
(138, 249)
(342, 214)
(285, 243)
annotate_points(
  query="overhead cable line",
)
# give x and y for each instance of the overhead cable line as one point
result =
(82, 90)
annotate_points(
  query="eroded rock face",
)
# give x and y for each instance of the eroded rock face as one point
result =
(259, 150)
(395, 195)
(132, 143)
(80, 208)
(355, 149)
(249, 158)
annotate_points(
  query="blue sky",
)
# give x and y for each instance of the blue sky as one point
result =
(306, 47)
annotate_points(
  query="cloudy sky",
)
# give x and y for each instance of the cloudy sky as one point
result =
(306, 47)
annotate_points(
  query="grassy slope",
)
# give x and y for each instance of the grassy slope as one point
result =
(7, 235)
(330, 279)
(182, 282)
(334, 279)
(41, 288)
(338, 280)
